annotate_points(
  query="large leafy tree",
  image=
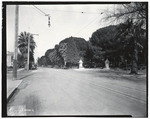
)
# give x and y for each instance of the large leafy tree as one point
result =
(104, 45)
(23, 39)
(131, 36)
(133, 16)
(54, 57)
(136, 11)
(72, 49)
(67, 53)
(72, 55)
(42, 61)
(20, 60)
(93, 56)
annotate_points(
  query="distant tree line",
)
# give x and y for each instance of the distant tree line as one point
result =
(103, 44)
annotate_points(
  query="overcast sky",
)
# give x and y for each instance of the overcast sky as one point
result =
(66, 21)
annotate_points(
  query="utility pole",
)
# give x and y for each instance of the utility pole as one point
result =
(16, 43)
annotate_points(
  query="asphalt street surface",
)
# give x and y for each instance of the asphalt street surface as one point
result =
(78, 92)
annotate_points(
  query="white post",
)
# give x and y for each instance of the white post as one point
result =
(28, 61)
(107, 64)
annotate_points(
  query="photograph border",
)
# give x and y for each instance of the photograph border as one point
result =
(4, 51)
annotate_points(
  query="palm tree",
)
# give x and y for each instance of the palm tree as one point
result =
(23, 39)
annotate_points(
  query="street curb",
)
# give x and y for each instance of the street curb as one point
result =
(25, 76)
(19, 70)
(11, 94)
(15, 89)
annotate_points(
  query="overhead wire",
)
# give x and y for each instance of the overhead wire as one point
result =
(44, 14)
(82, 12)
(40, 10)
(93, 20)
(72, 12)
(37, 10)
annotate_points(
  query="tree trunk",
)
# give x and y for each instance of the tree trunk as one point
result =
(134, 67)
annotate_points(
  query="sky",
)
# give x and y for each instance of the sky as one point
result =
(66, 21)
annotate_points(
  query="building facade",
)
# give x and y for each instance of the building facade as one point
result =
(9, 58)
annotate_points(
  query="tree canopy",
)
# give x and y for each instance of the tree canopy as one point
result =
(133, 21)
(67, 53)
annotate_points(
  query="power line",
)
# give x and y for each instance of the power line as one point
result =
(82, 12)
(37, 10)
(44, 14)
(40, 10)
(70, 12)
(88, 24)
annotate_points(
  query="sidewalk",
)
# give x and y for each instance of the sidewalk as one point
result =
(13, 84)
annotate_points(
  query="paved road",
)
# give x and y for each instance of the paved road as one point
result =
(75, 92)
